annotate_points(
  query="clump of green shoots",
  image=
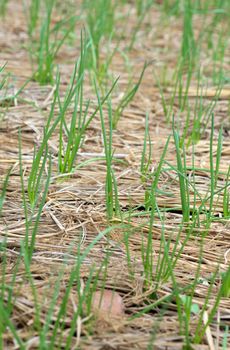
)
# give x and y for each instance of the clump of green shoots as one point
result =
(139, 7)
(111, 191)
(100, 24)
(171, 7)
(44, 51)
(52, 329)
(218, 56)
(206, 317)
(7, 296)
(74, 133)
(34, 11)
(101, 71)
(219, 12)
(3, 7)
(151, 204)
(204, 314)
(41, 154)
(199, 114)
(84, 297)
(6, 95)
(80, 121)
(183, 77)
(143, 8)
(33, 212)
(188, 49)
(208, 203)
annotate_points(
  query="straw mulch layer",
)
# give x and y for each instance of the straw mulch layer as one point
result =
(75, 206)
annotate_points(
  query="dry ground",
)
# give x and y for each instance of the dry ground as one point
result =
(75, 206)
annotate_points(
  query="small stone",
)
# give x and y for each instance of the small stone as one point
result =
(107, 303)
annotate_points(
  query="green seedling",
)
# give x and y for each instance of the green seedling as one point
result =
(183, 87)
(188, 49)
(8, 97)
(146, 156)
(100, 24)
(151, 204)
(84, 296)
(101, 68)
(83, 309)
(204, 115)
(219, 12)
(201, 114)
(187, 305)
(225, 288)
(219, 52)
(127, 98)
(26, 254)
(214, 170)
(32, 15)
(7, 322)
(34, 11)
(44, 52)
(162, 269)
(3, 7)
(79, 121)
(184, 188)
(139, 7)
(171, 8)
(111, 194)
(6, 295)
(143, 8)
(226, 196)
(75, 133)
(4, 80)
(180, 89)
(4, 189)
(40, 154)
(32, 218)
(201, 328)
